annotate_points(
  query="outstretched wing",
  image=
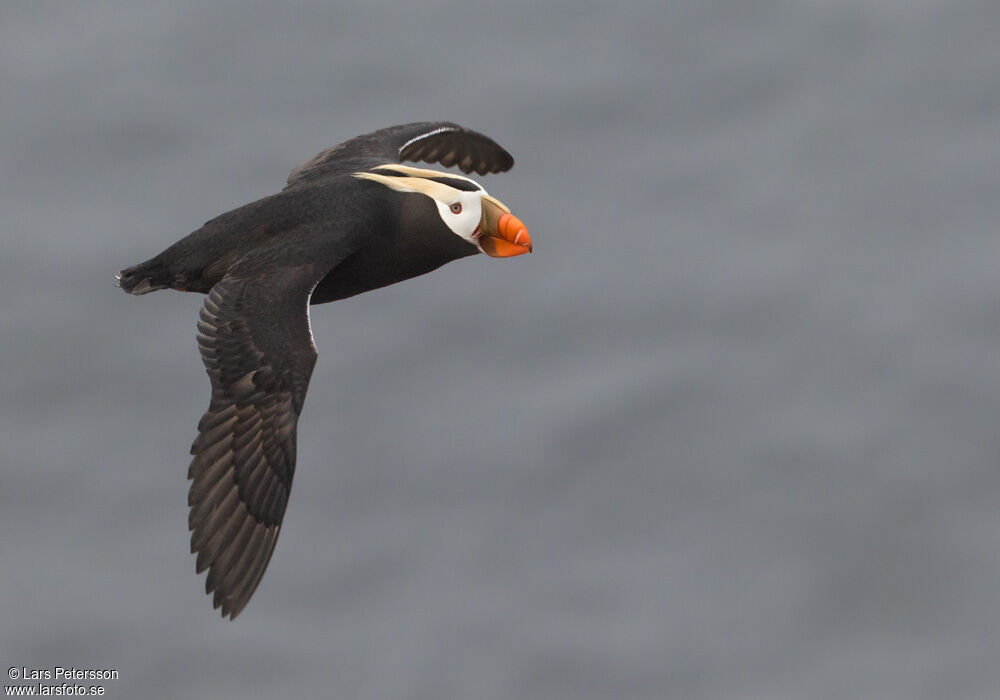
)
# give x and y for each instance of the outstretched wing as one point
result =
(257, 346)
(432, 142)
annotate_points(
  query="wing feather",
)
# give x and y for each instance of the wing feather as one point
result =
(432, 142)
(257, 348)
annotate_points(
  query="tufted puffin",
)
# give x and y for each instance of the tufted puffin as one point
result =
(349, 220)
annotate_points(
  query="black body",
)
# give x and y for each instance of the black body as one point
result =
(367, 235)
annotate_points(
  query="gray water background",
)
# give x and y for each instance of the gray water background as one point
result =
(731, 432)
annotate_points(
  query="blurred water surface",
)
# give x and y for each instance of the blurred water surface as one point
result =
(731, 432)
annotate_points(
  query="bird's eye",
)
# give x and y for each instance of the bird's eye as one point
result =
(456, 208)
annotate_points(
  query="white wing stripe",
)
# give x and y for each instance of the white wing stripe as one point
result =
(440, 130)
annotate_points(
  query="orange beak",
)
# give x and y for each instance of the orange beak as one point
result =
(503, 235)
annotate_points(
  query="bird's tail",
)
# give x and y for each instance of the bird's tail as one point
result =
(144, 278)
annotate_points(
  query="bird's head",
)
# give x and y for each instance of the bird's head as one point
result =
(463, 205)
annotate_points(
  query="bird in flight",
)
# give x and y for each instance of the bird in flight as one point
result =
(350, 220)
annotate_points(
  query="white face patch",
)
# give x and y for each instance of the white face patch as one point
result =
(460, 209)
(462, 214)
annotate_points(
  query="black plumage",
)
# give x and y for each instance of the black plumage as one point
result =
(326, 236)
